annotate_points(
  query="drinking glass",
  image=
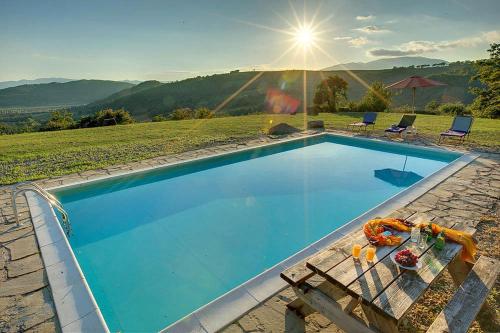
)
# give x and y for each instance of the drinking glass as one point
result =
(415, 235)
(422, 242)
(356, 250)
(370, 253)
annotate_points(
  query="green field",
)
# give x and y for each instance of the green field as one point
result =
(39, 155)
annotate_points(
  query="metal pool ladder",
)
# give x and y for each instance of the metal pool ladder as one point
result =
(24, 187)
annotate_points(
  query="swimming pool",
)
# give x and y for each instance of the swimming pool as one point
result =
(157, 245)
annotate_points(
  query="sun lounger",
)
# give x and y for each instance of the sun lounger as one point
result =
(406, 121)
(460, 128)
(368, 119)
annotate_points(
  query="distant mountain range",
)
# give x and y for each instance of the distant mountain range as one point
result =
(150, 98)
(60, 94)
(387, 63)
(9, 84)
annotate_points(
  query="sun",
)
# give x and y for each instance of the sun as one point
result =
(304, 36)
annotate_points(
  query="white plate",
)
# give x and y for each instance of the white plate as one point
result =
(414, 268)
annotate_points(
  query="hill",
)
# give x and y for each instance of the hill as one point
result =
(210, 91)
(387, 63)
(8, 84)
(59, 94)
(127, 92)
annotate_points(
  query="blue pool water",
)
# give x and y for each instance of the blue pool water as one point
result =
(156, 246)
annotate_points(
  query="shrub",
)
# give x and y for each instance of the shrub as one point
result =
(363, 107)
(106, 117)
(87, 121)
(7, 129)
(59, 120)
(158, 118)
(203, 113)
(113, 117)
(452, 109)
(313, 110)
(403, 109)
(432, 107)
(182, 113)
(352, 106)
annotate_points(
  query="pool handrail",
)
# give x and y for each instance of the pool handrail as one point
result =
(23, 187)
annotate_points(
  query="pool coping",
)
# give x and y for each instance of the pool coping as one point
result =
(76, 307)
(78, 310)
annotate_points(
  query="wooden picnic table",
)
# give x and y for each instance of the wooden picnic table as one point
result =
(384, 292)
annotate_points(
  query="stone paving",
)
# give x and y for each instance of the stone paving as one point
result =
(25, 298)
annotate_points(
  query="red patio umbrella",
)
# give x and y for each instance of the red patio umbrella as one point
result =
(415, 82)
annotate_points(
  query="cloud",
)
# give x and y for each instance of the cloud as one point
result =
(423, 46)
(492, 36)
(354, 41)
(389, 53)
(392, 21)
(365, 18)
(371, 29)
(358, 42)
(342, 38)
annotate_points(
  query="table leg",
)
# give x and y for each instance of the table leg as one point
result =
(295, 314)
(459, 270)
(332, 310)
(379, 322)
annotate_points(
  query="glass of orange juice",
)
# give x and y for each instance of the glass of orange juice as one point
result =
(356, 251)
(370, 253)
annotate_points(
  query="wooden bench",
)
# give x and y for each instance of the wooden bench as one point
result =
(332, 283)
(465, 304)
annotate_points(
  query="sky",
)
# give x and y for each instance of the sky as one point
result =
(171, 40)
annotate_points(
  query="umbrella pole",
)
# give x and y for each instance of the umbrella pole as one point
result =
(414, 91)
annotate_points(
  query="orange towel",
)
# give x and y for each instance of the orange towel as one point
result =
(373, 230)
(469, 248)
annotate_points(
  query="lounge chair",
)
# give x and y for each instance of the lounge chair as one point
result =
(368, 119)
(460, 128)
(406, 121)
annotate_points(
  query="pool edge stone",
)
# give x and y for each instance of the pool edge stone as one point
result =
(70, 307)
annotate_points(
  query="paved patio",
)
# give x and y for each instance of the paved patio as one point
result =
(470, 196)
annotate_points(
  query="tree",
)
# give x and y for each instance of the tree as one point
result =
(59, 120)
(203, 113)
(487, 101)
(30, 125)
(182, 113)
(113, 117)
(106, 117)
(377, 98)
(329, 92)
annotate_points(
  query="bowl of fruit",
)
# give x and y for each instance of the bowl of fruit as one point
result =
(406, 259)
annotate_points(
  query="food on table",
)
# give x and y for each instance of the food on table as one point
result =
(406, 258)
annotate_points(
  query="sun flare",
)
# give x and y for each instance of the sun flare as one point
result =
(304, 36)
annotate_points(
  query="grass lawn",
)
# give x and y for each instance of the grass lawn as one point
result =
(45, 154)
